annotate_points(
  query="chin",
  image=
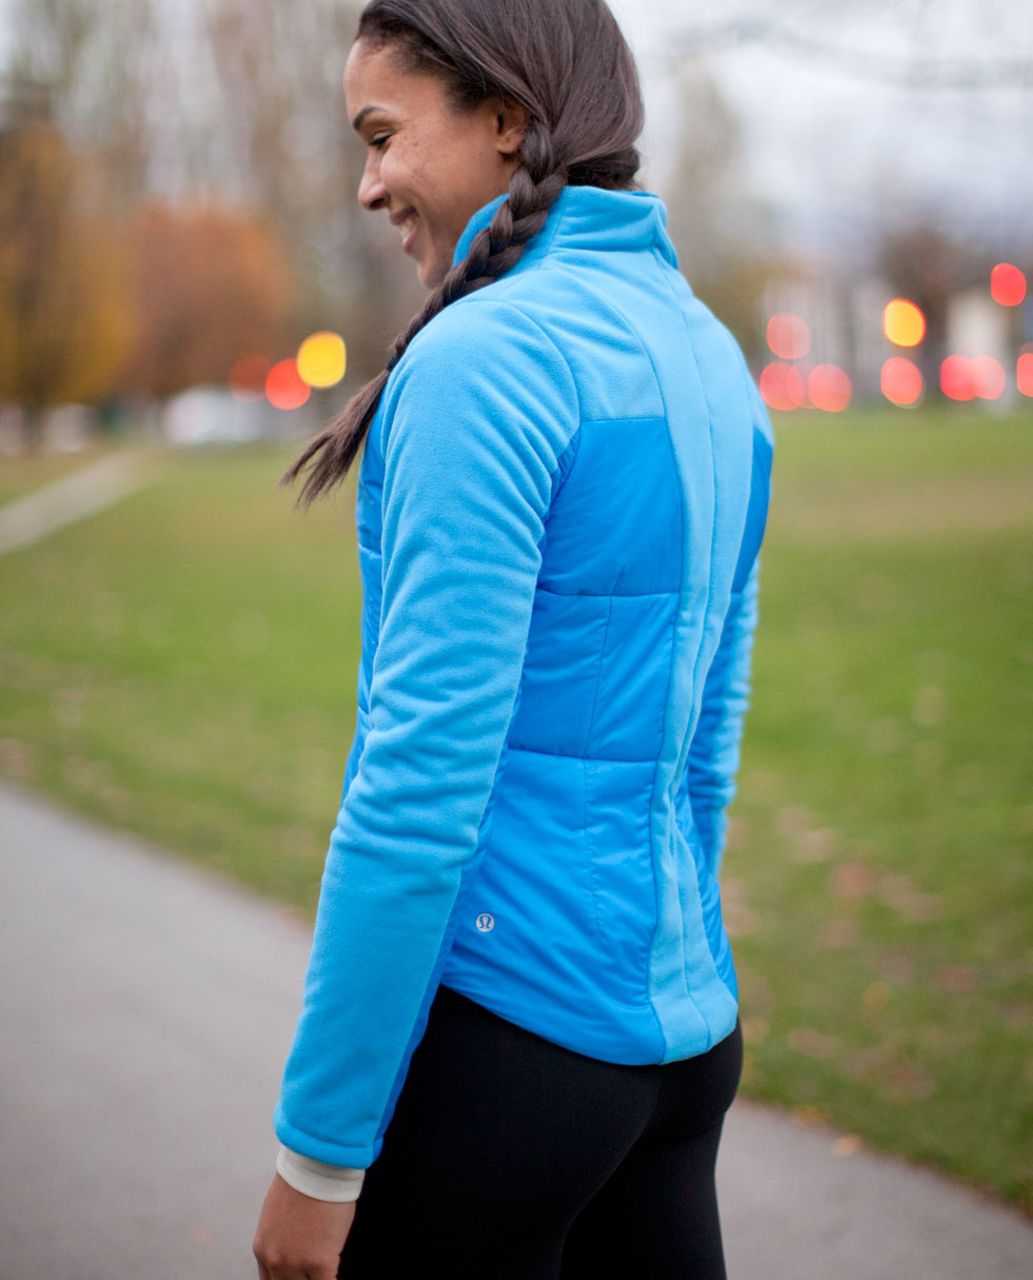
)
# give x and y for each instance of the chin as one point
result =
(431, 274)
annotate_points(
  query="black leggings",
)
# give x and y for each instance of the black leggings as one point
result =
(509, 1157)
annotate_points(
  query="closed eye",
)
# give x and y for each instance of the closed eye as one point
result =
(379, 140)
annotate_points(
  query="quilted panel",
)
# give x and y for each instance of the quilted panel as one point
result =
(615, 525)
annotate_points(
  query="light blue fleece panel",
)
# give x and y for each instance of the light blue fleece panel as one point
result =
(561, 503)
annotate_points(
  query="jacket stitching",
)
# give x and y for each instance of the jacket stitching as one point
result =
(683, 753)
(472, 299)
(589, 858)
(575, 445)
(598, 678)
(632, 332)
(570, 755)
(612, 595)
(667, 695)
(670, 673)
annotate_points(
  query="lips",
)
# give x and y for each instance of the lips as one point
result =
(406, 221)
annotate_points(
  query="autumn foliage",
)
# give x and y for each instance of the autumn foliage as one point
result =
(66, 318)
(210, 285)
(95, 305)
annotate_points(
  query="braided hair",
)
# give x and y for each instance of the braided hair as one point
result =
(568, 63)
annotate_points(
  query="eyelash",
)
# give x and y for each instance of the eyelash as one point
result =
(380, 141)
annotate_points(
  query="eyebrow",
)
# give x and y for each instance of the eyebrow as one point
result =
(361, 115)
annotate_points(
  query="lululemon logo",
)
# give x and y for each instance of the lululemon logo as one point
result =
(485, 922)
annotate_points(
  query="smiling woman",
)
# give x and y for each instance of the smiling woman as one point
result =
(429, 164)
(520, 1031)
(521, 101)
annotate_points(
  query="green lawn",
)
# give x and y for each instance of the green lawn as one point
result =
(183, 666)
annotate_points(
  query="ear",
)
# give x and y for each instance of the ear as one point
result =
(511, 121)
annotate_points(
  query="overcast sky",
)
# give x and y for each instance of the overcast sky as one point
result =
(834, 130)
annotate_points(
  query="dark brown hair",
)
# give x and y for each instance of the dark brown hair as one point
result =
(567, 62)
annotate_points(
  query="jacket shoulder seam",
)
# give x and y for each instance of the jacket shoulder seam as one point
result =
(532, 320)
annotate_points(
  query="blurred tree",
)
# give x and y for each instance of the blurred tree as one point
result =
(296, 157)
(735, 289)
(102, 68)
(237, 102)
(717, 226)
(65, 314)
(46, 40)
(212, 285)
(705, 181)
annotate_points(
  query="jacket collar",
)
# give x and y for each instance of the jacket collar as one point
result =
(587, 218)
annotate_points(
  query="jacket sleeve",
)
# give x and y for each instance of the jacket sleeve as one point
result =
(714, 753)
(475, 417)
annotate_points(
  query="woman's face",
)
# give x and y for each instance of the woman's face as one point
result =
(428, 166)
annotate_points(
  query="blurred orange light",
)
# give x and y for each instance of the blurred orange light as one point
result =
(903, 323)
(988, 377)
(829, 388)
(957, 378)
(1024, 373)
(788, 336)
(284, 386)
(782, 386)
(1007, 284)
(901, 381)
(247, 377)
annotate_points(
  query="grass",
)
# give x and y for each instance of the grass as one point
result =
(879, 852)
(183, 666)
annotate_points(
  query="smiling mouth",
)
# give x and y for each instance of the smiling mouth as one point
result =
(407, 229)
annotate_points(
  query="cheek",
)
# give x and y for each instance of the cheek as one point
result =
(404, 169)
(446, 164)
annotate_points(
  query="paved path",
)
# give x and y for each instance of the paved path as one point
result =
(90, 489)
(146, 1011)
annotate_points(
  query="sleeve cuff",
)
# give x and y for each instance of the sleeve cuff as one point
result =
(316, 1179)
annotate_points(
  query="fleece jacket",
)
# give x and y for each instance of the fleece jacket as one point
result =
(560, 506)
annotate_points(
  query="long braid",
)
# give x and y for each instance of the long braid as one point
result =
(534, 186)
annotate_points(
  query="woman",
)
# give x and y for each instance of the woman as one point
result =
(520, 1028)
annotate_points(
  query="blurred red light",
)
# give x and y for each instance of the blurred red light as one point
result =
(957, 378)
(284, 386)
(788, 336)
(901, 381)
(1024, 373)
(782, 386)
(829, 388)
(988, 377)
(1007, 284)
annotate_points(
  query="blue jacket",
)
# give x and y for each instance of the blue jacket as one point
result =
(561, 500)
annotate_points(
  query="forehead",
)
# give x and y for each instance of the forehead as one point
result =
(375, 77)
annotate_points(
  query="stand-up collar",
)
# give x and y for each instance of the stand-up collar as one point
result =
(587, 218)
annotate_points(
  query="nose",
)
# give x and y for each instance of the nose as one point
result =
(372, 192)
